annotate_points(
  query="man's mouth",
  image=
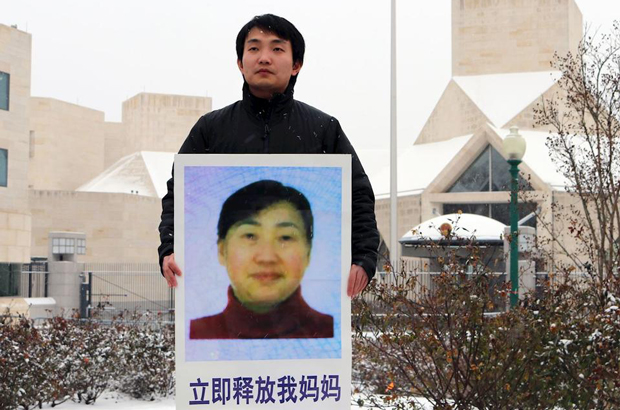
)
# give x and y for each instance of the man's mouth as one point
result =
(263, 71)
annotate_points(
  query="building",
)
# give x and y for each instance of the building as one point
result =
(501, 54)
(49, 149)
(70, 170)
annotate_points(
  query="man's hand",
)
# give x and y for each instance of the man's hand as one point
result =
(357, 280)
(171, 270)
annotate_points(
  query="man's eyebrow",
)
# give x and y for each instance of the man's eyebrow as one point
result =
(274, 41)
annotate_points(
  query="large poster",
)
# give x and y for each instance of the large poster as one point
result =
(262, 316)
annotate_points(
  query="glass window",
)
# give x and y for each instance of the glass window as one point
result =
(81, 246)
(476, 177)
(501, 212)
(70, 248)
(489, 172)
(476, 209)
(500, 172)
(4, 91)
(4, 166)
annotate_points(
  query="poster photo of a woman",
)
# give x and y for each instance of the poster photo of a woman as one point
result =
(262, 249)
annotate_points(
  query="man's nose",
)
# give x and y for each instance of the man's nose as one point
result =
(266, 252)
(264, 57)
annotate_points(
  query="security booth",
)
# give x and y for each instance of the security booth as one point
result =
(466, 244)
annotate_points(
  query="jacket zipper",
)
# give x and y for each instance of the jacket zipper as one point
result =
(266, 138)
(267, 119)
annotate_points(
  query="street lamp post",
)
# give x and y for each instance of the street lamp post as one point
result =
(514, 149)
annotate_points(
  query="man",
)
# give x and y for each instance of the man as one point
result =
(270, 53)
(265, 233)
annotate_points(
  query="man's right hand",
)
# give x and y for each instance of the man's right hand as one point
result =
(171, 270)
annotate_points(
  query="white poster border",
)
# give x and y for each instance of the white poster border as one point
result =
(188, 373)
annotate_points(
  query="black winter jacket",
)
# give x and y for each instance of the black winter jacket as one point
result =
(281, 125)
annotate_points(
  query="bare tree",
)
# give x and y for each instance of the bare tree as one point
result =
(585, 146)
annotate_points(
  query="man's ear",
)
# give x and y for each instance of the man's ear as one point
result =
(221, 253)
(296, 68)
(240, 65)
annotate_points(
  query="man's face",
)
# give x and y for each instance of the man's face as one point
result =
(267, 63)
(266, 256)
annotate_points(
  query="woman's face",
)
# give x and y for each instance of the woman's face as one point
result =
(266, 256)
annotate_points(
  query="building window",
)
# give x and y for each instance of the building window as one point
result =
(81, 246)
(63, 246)
(4, 91)
(488, 173)
(4, 166)
(10, 274)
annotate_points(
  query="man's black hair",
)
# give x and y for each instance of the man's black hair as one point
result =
(281, 27)
(260, 195)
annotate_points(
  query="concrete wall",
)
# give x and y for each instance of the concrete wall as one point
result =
(160, 122)
(115, 140)
(118, 227)
(504, 36)
(68, 144)
(409, 215)
(15, 59)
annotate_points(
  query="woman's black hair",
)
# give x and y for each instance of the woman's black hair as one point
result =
(260, 195)
(281, 27)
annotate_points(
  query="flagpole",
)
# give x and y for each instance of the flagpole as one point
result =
(394, 246)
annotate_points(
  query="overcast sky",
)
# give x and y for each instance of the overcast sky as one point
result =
(99, 53)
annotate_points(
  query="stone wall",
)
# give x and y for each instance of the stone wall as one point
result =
(118, 227)
(68, 144)
(506, 36)
(15, 59)
(160, 122)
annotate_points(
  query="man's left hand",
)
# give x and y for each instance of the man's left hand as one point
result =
(357, 280)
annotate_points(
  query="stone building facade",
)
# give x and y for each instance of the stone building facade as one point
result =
(55, 147)
(501, 54)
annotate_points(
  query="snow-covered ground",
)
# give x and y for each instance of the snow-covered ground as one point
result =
(116, 401)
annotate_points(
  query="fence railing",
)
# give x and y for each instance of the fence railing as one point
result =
(117, 287)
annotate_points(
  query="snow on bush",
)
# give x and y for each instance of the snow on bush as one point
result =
(70, 359)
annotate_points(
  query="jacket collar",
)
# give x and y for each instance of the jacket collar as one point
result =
(262, 108)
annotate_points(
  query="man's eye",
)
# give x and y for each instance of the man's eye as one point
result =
(278, 49)
(253, 49)
(286, 238)
(249, 236)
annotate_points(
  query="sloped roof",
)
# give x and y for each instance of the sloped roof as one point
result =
(418, 165)
(143, 173)
(501, 97)
(146, 172)
(464, 226)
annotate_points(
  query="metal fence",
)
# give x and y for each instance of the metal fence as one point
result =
(112, 288)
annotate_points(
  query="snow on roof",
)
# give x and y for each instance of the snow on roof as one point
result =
(142, 173)
(463, 226)
(502, 96)
(40, 301)
(537, 156)
(418, 165)
(159, 165)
